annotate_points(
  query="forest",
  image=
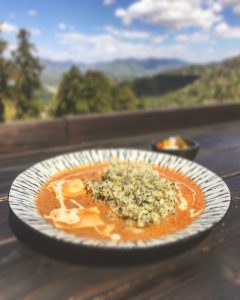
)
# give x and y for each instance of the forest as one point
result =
(23, 95)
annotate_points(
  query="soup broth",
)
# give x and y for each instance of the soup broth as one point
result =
(65, 203)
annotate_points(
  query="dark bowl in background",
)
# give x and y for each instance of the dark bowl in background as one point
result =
(189, 153)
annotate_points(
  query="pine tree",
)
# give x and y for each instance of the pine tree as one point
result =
(70, 96)
(4, 76)
(123, 98)
(27, 77)
(97, 90)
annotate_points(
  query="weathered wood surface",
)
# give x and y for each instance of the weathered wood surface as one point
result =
(208, 270)
(23, 136)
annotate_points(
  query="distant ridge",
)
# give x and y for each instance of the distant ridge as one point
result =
(120, 69)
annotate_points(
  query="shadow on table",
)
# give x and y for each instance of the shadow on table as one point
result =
(93, 257)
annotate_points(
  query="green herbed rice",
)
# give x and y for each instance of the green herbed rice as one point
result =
(136, 192)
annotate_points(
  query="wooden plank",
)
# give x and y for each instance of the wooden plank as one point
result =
(22, 136)
(98, 127)
(214, 137)
(5, 232)
(222, 163)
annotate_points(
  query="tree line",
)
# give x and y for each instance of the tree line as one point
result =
(20, 77)
(20, 82)
(161, 84)
(91, 92)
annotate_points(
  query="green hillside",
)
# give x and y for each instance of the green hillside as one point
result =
(217, 83)
(161, 84)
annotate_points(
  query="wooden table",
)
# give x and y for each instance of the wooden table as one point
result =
(208, 270)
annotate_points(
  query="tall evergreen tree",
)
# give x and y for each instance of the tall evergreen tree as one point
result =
(123, 98)
(4, 76)
(27, 77)
(70, 96)
(97, 90)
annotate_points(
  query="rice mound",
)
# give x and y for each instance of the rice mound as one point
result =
(136, 192)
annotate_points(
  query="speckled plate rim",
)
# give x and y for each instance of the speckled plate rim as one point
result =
(25, 187)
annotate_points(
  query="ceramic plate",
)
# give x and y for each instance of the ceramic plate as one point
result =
(22, 196)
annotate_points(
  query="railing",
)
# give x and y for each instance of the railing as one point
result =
(22, 136)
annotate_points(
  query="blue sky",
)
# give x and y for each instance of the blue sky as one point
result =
(103, 30)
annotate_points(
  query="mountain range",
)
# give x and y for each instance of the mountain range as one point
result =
(121, 69)
(164, 82)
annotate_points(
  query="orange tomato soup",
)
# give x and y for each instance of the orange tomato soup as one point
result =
(91, 219)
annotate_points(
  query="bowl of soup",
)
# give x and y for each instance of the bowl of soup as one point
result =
(176, 145)
(119, 198)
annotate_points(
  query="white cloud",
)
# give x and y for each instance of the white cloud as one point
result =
(53, 54)
(215, 6)
(234, 4)
(127, 34)
(108, 2)
(76, 37)
(35, 31)
(8, 27)
(174, 14)
(32, 13)
(105, 47)
(195, 37)
(157, 39)
(211, 50)
(62, 26)
(81, 47)
(223, 30)
(133, 34)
